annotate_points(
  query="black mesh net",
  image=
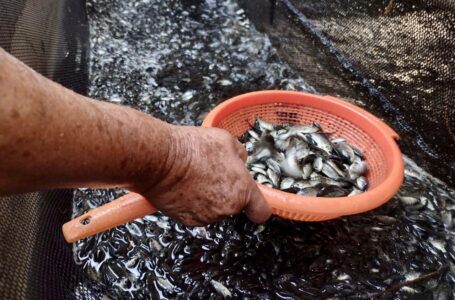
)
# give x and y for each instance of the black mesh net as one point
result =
(35, 261)
(395, 58)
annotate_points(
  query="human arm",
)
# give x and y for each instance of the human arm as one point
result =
(51, 137)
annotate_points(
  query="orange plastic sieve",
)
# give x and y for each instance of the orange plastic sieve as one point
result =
(340, 118)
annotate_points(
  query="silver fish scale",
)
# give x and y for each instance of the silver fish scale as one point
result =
(304, 152)
(171, 261)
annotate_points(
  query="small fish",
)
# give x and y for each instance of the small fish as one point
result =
(263, 125)
(344, 150)
(254, 135)
(289, 165)
(318, 164)
(332, 191)
(307, 170)
(328, 171)
(409, 290)
(259, 165)
(188, 95)
(357, 168)
(273, 165)
(408, 200)
(301, 150)
(313, 128)
(286, 183)
(343, 277)
(299, 130)
(338, 140)
(274, 177)
(362, 183)
(261, 154)
(259, 170)
(249, 146)
(221, 289)
(447, 218)
(303, 184)
(260, 229)
(309, 192)
(357, 151)
(341, 182)
(315, 176)
(332, 163)
(281, 131)
(165, 284)
(354, 192)
(438, 244)
(224, 82)
(262, 179)
(321, 141)
(309, 158)
(282, 144)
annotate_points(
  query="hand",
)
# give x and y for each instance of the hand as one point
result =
(204, 179)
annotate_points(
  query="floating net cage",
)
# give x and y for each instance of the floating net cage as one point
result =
(395, 59)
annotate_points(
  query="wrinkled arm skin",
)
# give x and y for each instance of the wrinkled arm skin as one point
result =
(51, 137)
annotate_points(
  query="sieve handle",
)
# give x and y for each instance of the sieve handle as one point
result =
(115, 213)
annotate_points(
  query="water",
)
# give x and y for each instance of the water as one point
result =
(176, 60)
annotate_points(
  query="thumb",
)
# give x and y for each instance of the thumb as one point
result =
(257, 208)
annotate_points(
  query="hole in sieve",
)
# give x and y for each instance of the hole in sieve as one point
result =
(85, 221)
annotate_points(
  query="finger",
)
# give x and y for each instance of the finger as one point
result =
(257, 209)
(240, 150)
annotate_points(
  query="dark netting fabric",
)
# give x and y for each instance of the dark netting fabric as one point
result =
(35, 262)
(395, 55)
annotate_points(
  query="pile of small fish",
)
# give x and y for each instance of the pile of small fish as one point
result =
(302, 159)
